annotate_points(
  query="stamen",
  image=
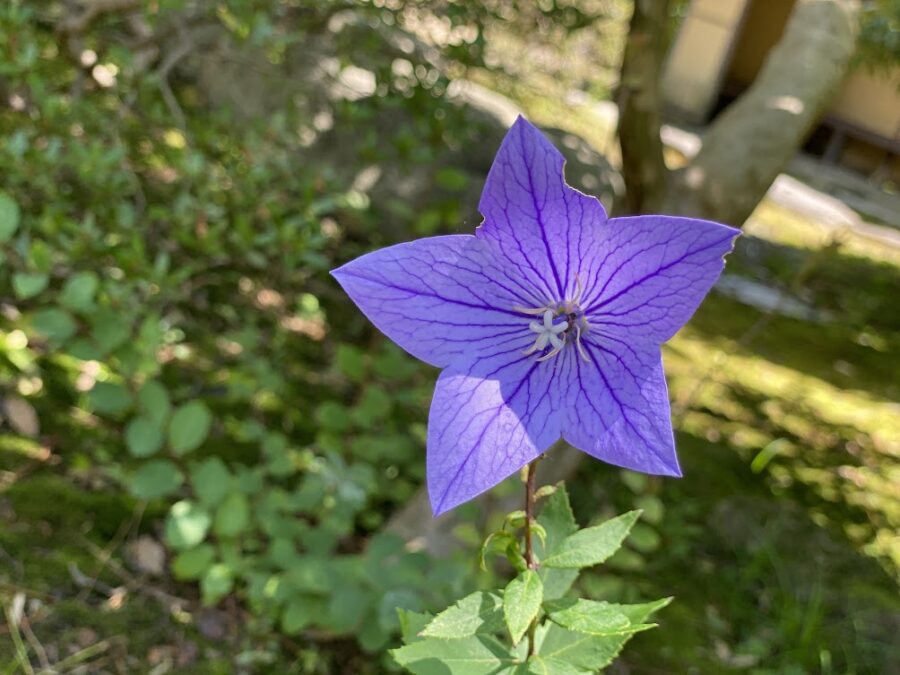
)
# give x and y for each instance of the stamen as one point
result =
(550, 354)
(525, 310)
(581, 351)
(578, 290)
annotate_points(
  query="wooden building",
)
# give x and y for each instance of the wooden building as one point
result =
(719, 50)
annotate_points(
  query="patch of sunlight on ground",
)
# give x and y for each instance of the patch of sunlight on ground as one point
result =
(781, 225)
(843, 444)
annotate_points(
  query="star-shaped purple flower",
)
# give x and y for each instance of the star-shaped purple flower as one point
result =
(547, 322)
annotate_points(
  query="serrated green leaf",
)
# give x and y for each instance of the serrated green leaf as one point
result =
(143, 437)
(522, 600)
(539, 665)
(587, 652)
(480, 612)
(558, 521)
(590, 616)
(186, 525)
(641, 612)
(156, 479)
(476, 655)
(28, 284)
(592, 652)
(232, 516)
(192, 564)
(189, 427)
(592, 545)
(9, 217)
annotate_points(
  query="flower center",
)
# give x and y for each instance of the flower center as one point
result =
(560, 324)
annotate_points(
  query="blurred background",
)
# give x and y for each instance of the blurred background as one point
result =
(211, 463)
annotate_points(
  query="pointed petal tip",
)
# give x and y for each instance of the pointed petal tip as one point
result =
(339, 272)
(442, 504)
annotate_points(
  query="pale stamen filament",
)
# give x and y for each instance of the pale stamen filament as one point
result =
(581, 350)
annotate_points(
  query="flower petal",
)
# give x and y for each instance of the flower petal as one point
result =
(617, 407)
(441, 298)
(653, 274)
(487, 421)
(539, 222)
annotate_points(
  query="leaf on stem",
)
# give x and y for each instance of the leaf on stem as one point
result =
(475, 655)
(480, 612)
(521, 603)
(592, 545)
(592, 617)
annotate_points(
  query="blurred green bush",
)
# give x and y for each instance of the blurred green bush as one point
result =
(165, 310)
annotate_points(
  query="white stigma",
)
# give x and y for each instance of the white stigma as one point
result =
(547, 333)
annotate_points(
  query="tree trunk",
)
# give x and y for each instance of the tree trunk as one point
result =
(639, 101)
(751, 142)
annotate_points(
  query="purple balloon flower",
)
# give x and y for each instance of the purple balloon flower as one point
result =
(547, 323)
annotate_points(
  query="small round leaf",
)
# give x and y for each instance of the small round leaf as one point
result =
(186, 525)
(191, 564)
(9, 217)
(216, 583)
(233, 515)
(156, 479)
(143, 437)
(189, 427)
(28, 284)
(153, 400)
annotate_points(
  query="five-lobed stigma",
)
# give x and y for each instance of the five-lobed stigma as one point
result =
(561, 324)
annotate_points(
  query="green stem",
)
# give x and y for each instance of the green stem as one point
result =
(529, 549)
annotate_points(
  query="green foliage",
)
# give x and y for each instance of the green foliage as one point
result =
(593, 545)
(879, 35)
(522, 599)
(189, 427)
(164, 263)
(482, 633)
(480, 612)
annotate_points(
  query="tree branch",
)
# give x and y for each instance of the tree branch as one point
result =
(639, 101)
(749, 144)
